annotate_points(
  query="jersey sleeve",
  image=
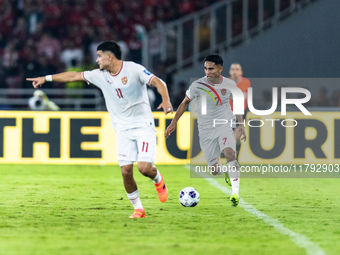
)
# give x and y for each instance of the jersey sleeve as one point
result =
(144, 75)
(91, 77)
(189, 94)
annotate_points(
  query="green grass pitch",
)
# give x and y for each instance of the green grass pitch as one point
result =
(73, 210)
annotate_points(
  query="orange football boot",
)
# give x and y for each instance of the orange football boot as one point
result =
(138, 213)
(162, 191)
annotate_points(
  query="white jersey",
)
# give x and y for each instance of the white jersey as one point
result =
(125, 95)
(217, 105)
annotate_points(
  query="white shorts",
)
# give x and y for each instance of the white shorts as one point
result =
(212, 147)
(136, 145)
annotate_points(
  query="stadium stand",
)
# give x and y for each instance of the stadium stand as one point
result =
(39, 37)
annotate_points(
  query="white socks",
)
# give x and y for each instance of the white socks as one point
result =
(135, 200)
(235, 185)
(157, 178)
(134, 196)
(234, 175)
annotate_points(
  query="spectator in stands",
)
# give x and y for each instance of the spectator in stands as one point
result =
(40, 102)
(70, 53)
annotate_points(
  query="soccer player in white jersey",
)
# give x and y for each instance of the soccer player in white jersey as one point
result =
(124, 88)
(212, 93)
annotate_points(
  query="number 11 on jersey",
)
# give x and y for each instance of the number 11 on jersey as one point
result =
(119, 93)
(145, 146)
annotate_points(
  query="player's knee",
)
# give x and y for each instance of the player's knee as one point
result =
(145, 169)
(230, 156)
(127, 172)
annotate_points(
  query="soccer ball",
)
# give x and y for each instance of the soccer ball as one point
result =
(189, 197)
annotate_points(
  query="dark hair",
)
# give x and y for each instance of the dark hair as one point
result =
(217, 59)
(112, 47)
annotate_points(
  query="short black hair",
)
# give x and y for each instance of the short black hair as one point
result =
(217, 59)
(112, 47)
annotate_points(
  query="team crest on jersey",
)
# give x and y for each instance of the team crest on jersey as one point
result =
(224, 91)
(124, 80)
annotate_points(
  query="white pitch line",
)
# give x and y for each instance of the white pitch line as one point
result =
(300, 240)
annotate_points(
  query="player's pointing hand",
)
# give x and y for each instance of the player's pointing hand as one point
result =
(37, 82)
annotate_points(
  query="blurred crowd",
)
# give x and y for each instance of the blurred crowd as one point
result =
(39, 37)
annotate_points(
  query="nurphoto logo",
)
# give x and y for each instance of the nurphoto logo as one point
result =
(238, 103)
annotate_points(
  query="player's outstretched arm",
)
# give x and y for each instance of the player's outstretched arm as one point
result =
(180, 110)
(163, 91)
(61, 77)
